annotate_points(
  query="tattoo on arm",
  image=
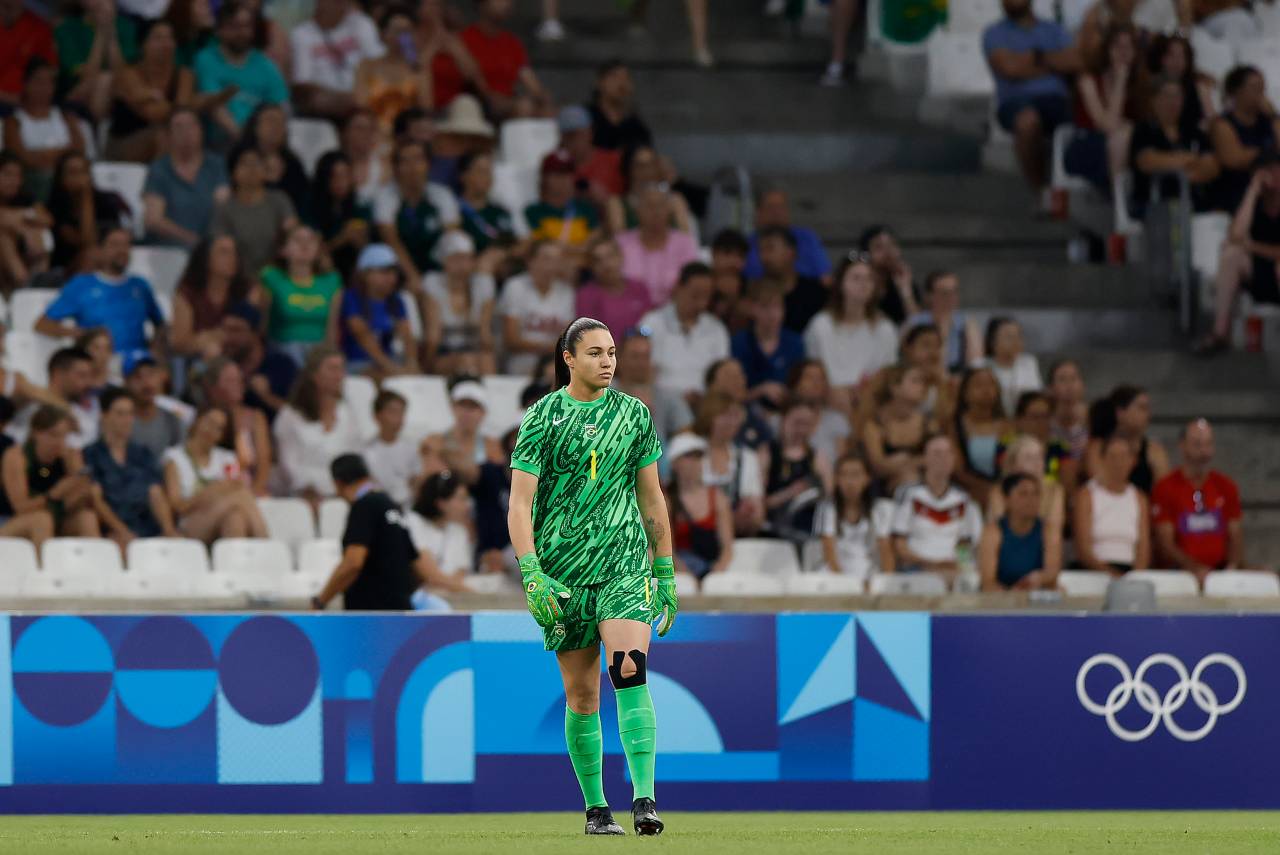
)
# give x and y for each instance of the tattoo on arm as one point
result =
(654, 529)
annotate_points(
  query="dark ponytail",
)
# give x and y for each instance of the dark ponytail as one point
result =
(569, 341)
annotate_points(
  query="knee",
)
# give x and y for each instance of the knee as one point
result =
(1027, 123)
(1234, 257)
(584, 699)
(41, 525)
(628, 669)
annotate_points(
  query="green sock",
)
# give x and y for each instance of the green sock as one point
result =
(586, 752)
(638, 727)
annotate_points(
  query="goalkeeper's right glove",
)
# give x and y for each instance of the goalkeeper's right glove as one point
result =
(541, 592)
(665, 600)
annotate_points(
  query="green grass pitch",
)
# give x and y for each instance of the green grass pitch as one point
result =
(703, 834)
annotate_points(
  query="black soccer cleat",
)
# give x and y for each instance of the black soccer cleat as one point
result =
(644, 813)
(600, 821)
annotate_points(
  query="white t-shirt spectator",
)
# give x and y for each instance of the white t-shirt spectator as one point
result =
(393, 466)
(1022, 376)
(680, 358)
(850, 352)
(857, 547)
(306, 449)
(223, 465)
(935, 525)
(449, 543)
(459, 332)
(742, 480)
(542, 317)
(329, 58)
(386, 204)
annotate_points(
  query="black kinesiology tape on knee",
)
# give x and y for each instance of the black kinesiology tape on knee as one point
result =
(636, 679)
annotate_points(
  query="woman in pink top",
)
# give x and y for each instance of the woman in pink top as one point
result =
(616, 300)
(653, 252)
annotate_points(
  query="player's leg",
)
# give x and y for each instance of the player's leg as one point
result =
(626, 643)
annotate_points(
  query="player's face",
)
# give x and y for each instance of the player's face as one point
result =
(594, 359)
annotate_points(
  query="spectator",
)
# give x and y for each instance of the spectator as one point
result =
(1015, 370)
(642, 168)
(979, 423)
(326, 51)
(728, 465)
(961, 342)
(895, 435)
(854, 541)
(489, 225)
(615, 124)
(767, 352)
(701, 517)
(463, 130)
(184, 185)
(1108, 96)
(850, 337)
(804, 296)
(1111, 529)
(1126, 412)
(248, 434)
(796, 476)
(895, 288)
(145, 94)
(935, 519)
(233, 63)
(411, 214)
(729, 250)
(270, 374)
(315, 426)
(597, 170)
(535, 308)
(372, 318)
(70, 371)
(154, 428)
(37, 525)
(1244, 131)
(267, 132)
(302, 294)
(192, 22)
(807, 382)
(726, 377)
(205, 487)
(634, 375)
(773, 211)
(1033, 419)
(1162, 148)
(1173, 57)
(492, 495)
(1026, 455)
(696, 14)
(212, 282)
(47, 489)
(458, 306)
(24, 36)
(1016, 553)
(441, 524)
(102, 373)
(653, 252)
(254, 214)
(503, 62)
(93, 45)
(1250, 257)
(37, 130)
(364, 147)
(687, 338)
(81, 213)
(611, 296)
(1030, 58)
(393, 458)
(129, 475)
(24, 226)
(109, 297)
(344, 223)
(441, 52)
(1070, 420)
(462, 449)
(1196, 510)
(558, 215)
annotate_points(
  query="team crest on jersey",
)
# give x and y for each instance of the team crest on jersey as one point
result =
(589, 431)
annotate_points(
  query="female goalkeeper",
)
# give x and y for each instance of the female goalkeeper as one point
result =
(586, 507)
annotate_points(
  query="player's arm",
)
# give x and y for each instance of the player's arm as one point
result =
(343, 576)
(544, 595)
(520, 511)
(657, 527)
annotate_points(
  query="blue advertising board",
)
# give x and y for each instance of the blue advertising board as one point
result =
(409, 713)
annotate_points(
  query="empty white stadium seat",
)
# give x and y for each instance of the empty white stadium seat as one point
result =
(17, 564)
(167, 567)
(525, 142)
(490, 583)
(1264, 55)
(310, 139)
(742, 584)
(918, 584)
(514, 188)
(28, 353)
(244, 565)
(812, 558)
(126, 180)
(1084, 583)
(360, 393)
(686, 585)
(822, 584)
(1242, 583)
(27, 305)
(316, 562)
(288, 519)
(428, 411)
(333, 518)
(504, 412)
(82, 567)
(765, 556)
(957, 66)
(1169, 583)
(162, 266)
(1214, 57)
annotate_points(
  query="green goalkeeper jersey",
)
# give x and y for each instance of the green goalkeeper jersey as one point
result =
(585, 455)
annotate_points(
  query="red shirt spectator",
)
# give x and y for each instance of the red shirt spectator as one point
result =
(22, 36)
(1197, 510)
(500, 55)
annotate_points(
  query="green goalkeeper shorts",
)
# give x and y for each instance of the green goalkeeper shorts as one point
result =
(627, 597)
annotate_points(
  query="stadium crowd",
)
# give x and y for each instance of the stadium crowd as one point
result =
(852, 409)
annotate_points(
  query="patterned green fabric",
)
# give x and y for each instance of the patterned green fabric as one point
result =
(628, 597)
(586, 521)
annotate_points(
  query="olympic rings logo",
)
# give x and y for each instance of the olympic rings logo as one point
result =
(1134, 685)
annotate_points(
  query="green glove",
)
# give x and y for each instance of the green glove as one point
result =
(665, 602)
(542, 593)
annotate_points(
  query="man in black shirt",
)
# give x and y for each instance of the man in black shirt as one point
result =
(380, 567)
(803, 296)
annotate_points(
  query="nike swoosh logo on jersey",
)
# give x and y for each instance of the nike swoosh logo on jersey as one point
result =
(556, 422)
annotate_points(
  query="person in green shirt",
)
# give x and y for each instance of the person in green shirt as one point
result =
(93, 46)
(586, 509)
(302, 295)
(486, 222)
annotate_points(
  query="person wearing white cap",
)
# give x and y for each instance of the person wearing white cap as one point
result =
(372, 317)
(461, 449)
(458, 305)
(701, 516)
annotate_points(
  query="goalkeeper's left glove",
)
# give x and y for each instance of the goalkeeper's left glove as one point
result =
(541, 592)
(665, 602)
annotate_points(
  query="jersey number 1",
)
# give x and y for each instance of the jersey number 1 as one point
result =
(593, 465)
